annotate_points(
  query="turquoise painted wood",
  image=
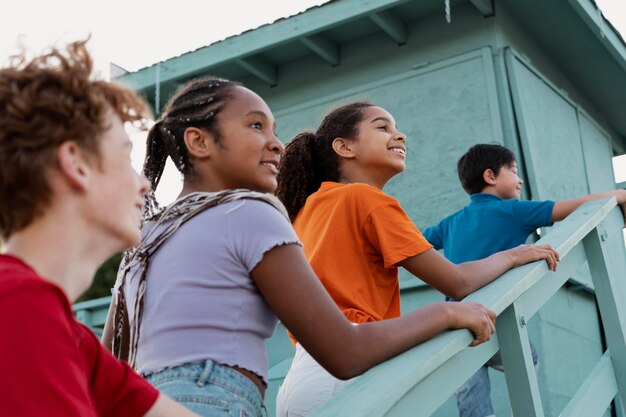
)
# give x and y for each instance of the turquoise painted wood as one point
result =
(611, 295)
(517, 359)
(599, 388)
(93, 313)
(420, 372)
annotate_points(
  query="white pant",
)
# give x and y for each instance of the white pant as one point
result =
(306, 386)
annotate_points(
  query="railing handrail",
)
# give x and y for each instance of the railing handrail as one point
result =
(415, 372)
(96, 303)
(410, 368)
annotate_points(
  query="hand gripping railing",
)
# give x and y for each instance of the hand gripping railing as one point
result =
(417, 382)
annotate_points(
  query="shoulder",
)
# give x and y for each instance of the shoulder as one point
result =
(258, 209)
(358, 188)
(39, 310)
(253, 227)
(534, 213)
(252, 217)
(451, 218)
(249, 207)
(368, 195)
(530, 205)
(36, 303)
(21, 285)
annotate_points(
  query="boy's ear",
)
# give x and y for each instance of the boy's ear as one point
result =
(489, 176)
(200, 143)
(343, 148)
(74, 165)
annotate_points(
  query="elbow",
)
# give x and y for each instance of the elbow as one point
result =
(458, 293)
(346, 365)
(346, 371)
(462, 288)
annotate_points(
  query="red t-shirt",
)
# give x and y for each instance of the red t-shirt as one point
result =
(50, 364)
(354, 236)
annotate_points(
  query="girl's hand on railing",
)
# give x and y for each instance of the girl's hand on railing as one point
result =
(524, 254)
(475, 317)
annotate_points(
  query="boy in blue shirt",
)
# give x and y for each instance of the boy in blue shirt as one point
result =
(495, 220)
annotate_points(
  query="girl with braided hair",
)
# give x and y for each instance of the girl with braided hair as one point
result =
(331, 183)
(216, 268)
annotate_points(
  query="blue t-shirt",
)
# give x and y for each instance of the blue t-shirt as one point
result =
(488, 225)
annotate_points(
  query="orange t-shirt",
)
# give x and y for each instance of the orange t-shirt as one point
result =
(354, 235)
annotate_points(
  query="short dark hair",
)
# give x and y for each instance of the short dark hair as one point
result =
(477, 159)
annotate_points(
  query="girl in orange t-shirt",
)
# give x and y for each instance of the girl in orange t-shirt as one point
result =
(355, 236)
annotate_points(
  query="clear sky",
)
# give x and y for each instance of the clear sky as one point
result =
(137, 33)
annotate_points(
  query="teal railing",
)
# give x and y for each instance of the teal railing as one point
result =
(427, 375)
(93, 313)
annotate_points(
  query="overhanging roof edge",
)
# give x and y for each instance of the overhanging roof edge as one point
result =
(602, 29)
(307, 23)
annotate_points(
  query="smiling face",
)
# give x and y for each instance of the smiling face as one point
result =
(117, 192)
(379, 149)
(248, 151)
(507, 183)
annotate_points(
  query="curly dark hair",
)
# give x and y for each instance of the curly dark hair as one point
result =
(309, 158)
(195, 104)
(44, 102)
(477, 160)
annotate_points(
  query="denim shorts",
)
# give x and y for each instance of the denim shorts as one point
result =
(210, 389)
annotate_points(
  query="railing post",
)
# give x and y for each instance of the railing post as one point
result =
(611, 296)
(84, 316)
(519, 369)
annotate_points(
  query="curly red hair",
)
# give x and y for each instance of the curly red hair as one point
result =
(44, 102)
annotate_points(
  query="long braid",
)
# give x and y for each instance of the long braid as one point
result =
(309, 158)
(153, 165)
(195, 104)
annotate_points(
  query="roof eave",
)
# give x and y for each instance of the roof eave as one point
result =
(248, 44)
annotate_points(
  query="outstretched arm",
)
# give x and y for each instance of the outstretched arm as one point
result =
(291, 289)
(564, 208)
(457, 281)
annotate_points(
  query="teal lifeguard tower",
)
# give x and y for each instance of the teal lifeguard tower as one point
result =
(546, 78)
